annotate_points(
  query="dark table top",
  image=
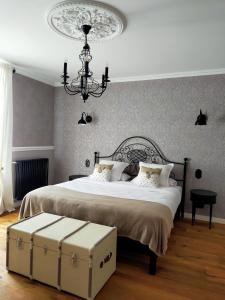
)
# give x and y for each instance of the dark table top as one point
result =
(206, 193)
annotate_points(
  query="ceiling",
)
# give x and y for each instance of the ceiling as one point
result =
(163, 38)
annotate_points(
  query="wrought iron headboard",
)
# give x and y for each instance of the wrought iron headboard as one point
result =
(137, 148)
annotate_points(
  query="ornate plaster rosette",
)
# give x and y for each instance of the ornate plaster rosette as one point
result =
(67, 17)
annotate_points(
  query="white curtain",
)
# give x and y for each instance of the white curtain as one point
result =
(6, 127)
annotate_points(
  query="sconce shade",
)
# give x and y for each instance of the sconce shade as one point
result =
(82, 120)
(201, 119)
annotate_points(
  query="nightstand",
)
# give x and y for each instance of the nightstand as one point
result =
(199, 199)
(72, 177)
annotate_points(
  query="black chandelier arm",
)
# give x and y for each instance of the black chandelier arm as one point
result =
(101, 87)
(96, 92)
(96, 95)
(71, 92)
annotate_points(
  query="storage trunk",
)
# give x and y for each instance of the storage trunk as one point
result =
(20, 242)
(72, 255)
(88, 260)
(47, 250)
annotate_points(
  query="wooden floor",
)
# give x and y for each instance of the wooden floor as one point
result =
(193, 268)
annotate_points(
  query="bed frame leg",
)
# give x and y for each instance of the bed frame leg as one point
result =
(153, 263)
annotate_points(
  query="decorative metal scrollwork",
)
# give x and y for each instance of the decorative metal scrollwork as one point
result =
(136, 152)
(136, 155)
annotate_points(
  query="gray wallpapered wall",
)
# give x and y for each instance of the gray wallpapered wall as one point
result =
(33, 110)
(164, 110)
(33, 115)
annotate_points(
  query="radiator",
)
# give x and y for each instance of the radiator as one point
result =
(29, 175)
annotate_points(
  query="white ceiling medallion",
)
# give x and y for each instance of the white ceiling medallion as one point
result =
(67, 17)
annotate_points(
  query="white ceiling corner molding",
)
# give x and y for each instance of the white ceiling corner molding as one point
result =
(33, 148)
(170, 75)
(163, 76)
(28, 73)
(67, 18)
(34, 75)
(3, 61)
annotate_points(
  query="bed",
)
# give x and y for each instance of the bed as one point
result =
(141, 214)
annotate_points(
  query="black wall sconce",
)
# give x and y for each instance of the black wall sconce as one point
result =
(85, 118)
(201, 119)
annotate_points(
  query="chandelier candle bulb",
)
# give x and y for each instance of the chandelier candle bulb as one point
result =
(65, 67)
(106, 73)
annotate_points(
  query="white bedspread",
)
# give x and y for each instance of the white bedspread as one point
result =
(169, 196)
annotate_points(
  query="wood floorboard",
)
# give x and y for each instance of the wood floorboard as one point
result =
(193, 268)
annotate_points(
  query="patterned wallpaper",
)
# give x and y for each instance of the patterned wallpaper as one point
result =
(33, 109)
(164, 110)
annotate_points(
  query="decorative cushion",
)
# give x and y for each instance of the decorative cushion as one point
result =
(165, 172)
(117, 170)
(149, 177)
(102, 172)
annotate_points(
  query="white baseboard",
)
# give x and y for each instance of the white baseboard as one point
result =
(205, 218)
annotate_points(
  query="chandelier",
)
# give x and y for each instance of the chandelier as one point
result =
(84, 84)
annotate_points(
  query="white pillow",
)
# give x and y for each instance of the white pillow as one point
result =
(102, 173)
(125, 177)
(165, 171)
(172, 182)
(117, 170)
(148, 177)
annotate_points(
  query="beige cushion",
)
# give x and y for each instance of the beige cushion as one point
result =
(148, 177)
(102, 167)
(117, 170)
(149, 171)
(165, 171)
(102, 172)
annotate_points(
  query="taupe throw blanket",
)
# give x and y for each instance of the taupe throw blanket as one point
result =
(147, 222)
